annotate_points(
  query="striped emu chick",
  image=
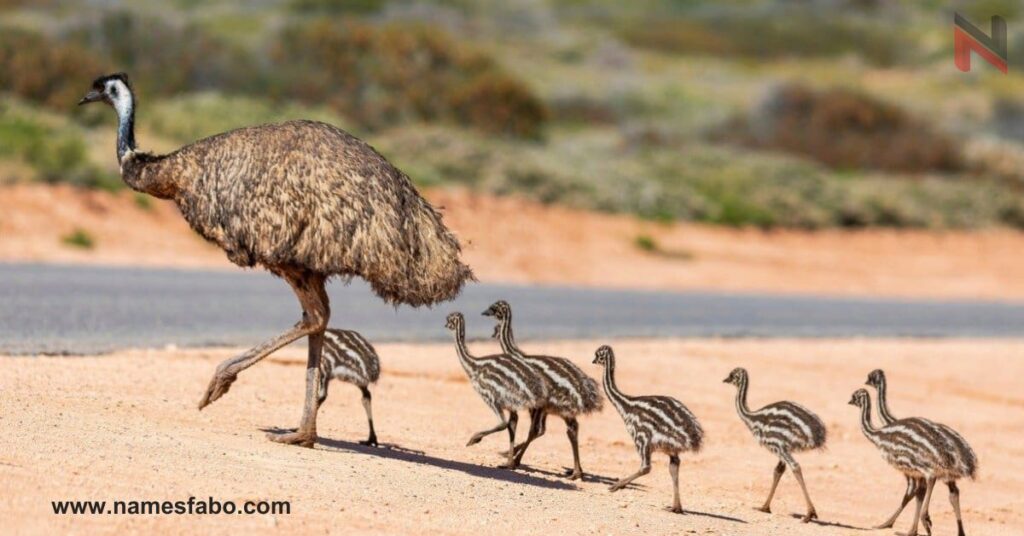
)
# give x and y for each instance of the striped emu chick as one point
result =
(350, 358)
(783, 428)
(964, 461)
(570, 392)
(916, 451)
(656, 423)
(505, 384)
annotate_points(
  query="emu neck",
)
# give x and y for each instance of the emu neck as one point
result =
(506, 339)
(741, 399)
(465, 359)
(611, 389)
(125, 127)
(883, 405)
(865, 420)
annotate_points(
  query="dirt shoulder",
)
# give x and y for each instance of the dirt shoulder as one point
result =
(515, 241)
(125, 426)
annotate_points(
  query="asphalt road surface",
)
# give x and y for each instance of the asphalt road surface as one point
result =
(76, 309)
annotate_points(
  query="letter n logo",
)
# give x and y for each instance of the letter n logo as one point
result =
(967, 38)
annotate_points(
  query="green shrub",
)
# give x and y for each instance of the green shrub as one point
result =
(380, 76)
(43, 70)
(336, 7)
(79, 238)
(57, 153)
(645, 243)
(845, 130)
(164, 57)
(774, 32)
(498, 104)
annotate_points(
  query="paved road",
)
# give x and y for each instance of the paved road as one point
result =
(74, 309)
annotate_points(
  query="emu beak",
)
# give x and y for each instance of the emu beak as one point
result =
(488, 312)
(91, 96)
(853, 401)
(594, 362)
(725, 380)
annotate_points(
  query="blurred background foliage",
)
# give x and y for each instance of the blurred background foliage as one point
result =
(768, 113)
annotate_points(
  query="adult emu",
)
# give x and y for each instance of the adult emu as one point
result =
(306, 201)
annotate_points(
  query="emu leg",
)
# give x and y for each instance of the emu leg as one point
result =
(372, 440)
(538, 418)
(513, 422)
(954, 499)
(572, 429)
(779, 469)
(480, 435)
(907, 496)
(645, 467)
(673, 468)
(317, 313)
(314, 318)
(811, 512)
(922, 506)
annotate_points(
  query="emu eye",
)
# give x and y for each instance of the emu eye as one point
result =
(113, 90)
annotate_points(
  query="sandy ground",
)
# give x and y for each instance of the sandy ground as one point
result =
(125, 427)
(512, 240)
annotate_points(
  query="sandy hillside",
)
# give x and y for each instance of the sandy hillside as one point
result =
(125, 427)
(511, 240)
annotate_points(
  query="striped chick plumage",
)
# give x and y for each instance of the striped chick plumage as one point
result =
(348, 357)
(959, 458)
(570, 392)
(656, 424)
(783, 428)
(503, 382)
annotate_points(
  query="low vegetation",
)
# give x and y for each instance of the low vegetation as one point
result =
(79, 238)
(738, 112)
(844, 129)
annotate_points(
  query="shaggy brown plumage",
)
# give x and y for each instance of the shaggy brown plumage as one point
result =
(306, 201)
(309, 194)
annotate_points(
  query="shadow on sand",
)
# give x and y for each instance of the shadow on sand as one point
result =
(395, 452)
(705, 514)
(587, 477)
(828, 523)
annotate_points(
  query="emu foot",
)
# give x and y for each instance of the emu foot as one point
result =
(809, 516)
(765, 508)
(370, 442)
(886, 525)
(219, 385)
(574, 474)
(474, 440)
(677, 509)
(302, 439)
(927, 522)
(616, 487)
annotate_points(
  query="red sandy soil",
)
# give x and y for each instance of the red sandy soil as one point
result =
(517, 241)
(124, 427)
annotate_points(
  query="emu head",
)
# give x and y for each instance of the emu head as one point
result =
(876, 378)
(860, 398)
(604, 356)
(113, 89)
(737, 377)
(499, 310)
(454, 321)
